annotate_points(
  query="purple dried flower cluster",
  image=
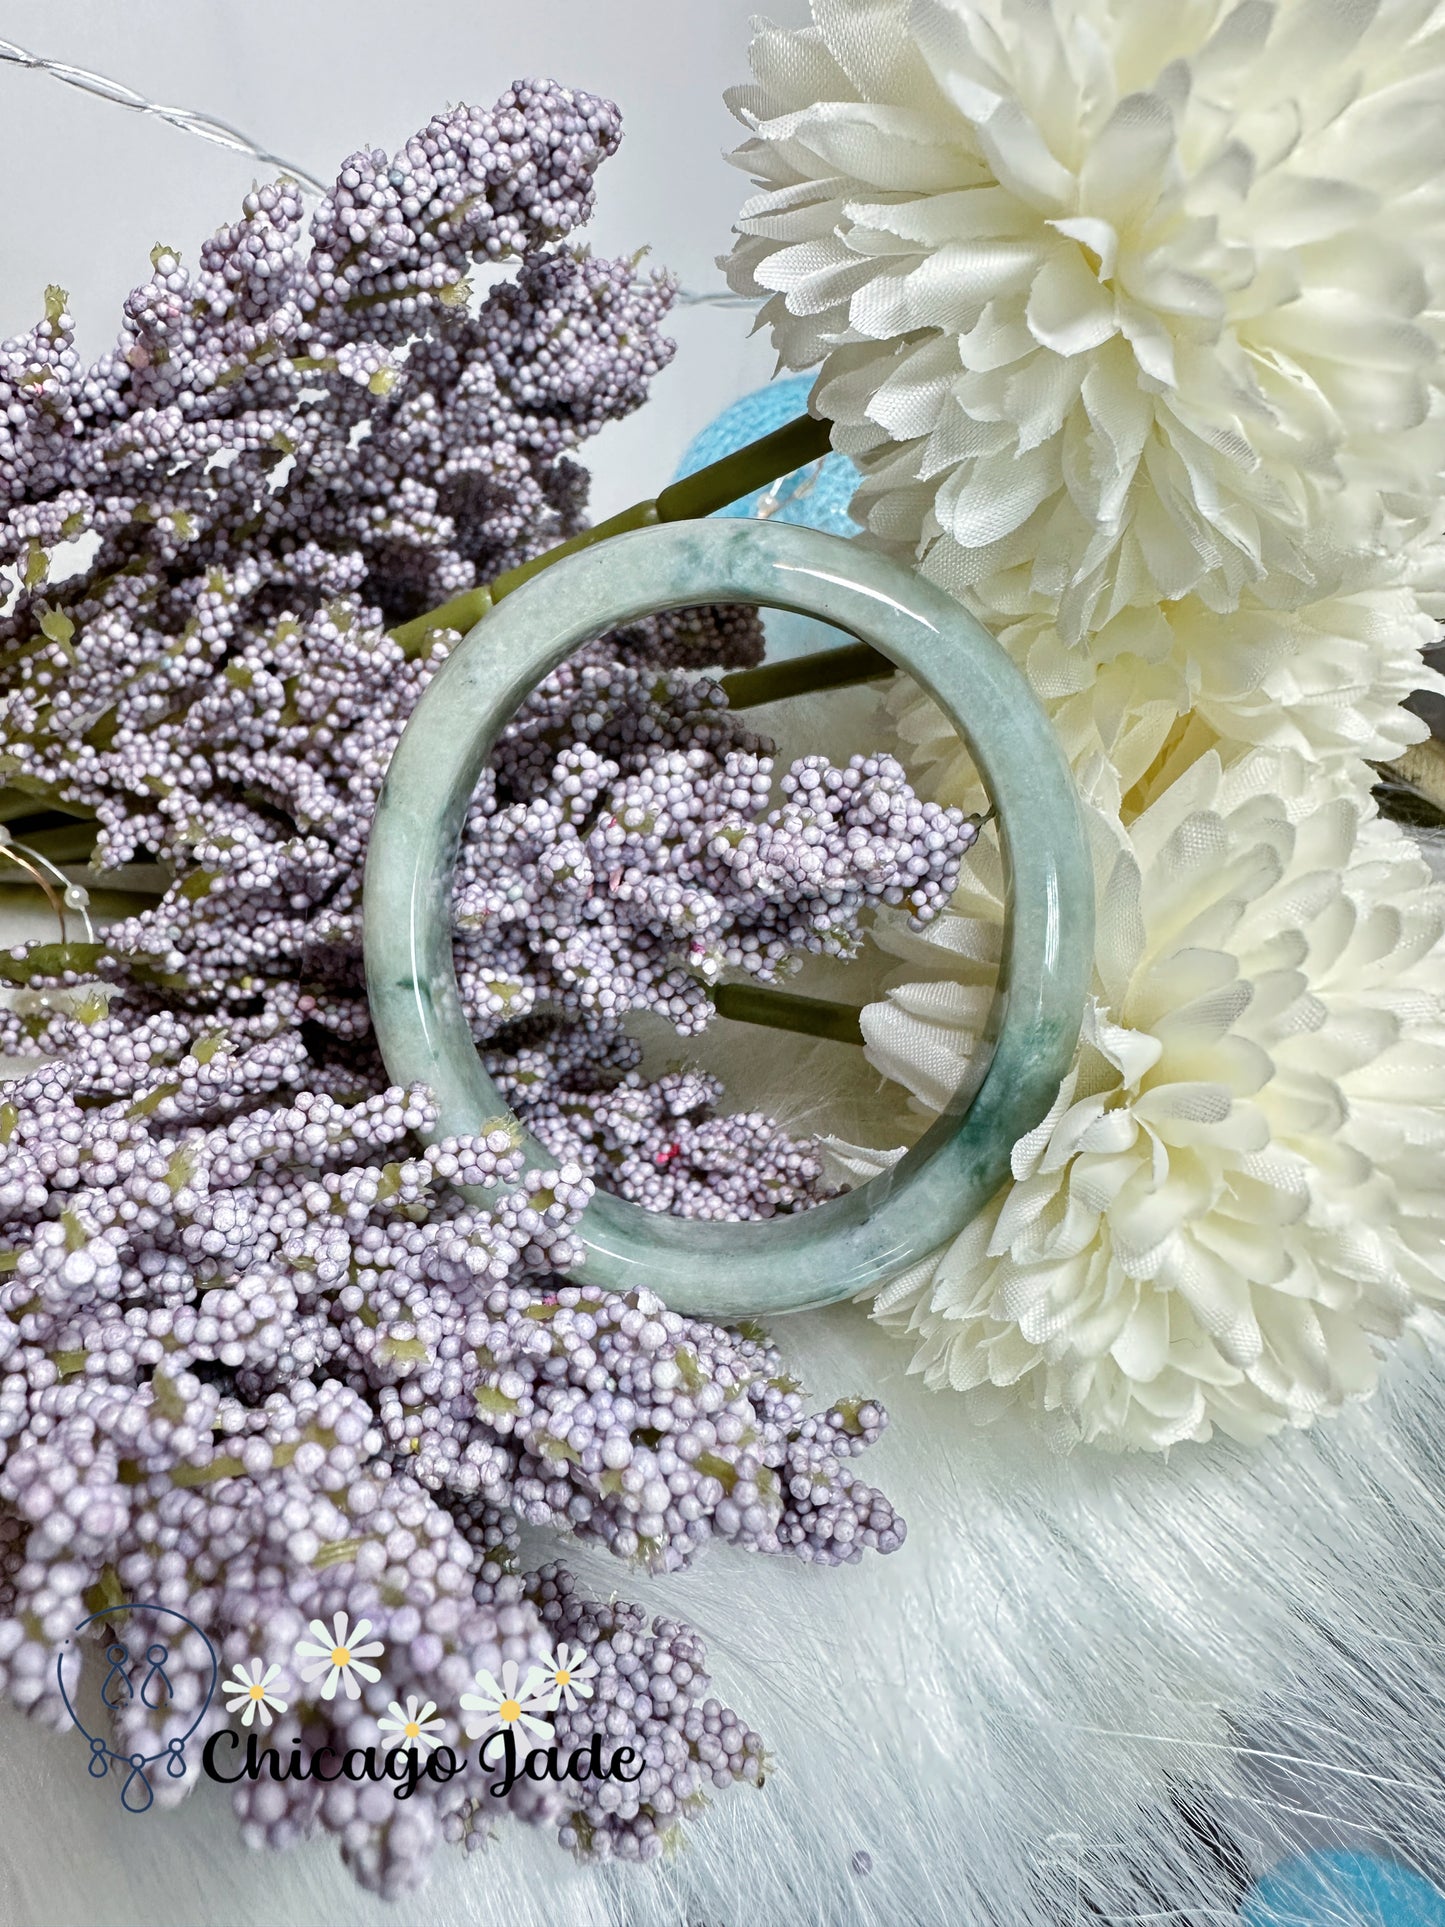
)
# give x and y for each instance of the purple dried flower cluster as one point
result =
(428, 444)
(259, 1361)
(290, 449)
(621, 854)
(657, 1141)
(656, 1707)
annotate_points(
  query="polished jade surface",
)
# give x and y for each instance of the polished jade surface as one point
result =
(849, 1244)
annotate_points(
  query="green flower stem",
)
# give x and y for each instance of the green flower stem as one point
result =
(224, 1465)
(784, 1010)
(466, 610)
(127, 879)
(463, 612)
(766, 460)
(794, 445)
(774, 682)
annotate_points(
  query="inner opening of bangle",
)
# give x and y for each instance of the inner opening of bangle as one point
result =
(815, 1088)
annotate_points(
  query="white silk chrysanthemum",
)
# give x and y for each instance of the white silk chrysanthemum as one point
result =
(1117, 301)
(1328, 680)
(1241, 1188)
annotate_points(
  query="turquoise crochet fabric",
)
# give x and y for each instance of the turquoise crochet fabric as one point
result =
(1343, 1890)
(817, 498)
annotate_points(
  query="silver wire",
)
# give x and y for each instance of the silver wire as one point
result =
(222, 134)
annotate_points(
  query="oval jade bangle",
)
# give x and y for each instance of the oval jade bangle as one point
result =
(848, 1244)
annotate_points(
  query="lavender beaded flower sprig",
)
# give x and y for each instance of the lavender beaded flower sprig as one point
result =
(289, 450)
(258, 1359)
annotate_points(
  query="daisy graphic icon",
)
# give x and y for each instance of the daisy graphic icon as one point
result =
(412, 1724)
(567, 1677)
(337, 1655)
(509, 1707)
(249, 1693)
(517, 1738)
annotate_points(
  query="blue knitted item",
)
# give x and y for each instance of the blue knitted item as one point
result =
(1342, 1890)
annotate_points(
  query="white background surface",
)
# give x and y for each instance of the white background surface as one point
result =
(89, 189)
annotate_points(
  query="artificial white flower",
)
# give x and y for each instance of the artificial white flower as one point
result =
(1117, 301)
(412, 1724)
(1328, 679)
(340, 1655)
(251, 1690)
(510, 1704)
(1240, 1191)
(568, 1674)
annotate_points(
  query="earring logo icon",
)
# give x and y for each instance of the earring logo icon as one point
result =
(120, 1689)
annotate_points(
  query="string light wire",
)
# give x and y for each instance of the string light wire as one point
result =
(221, 133)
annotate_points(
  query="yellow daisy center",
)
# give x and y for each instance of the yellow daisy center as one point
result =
(340, 1655)
(256, 1693)
(412, 1730)
(509, 1710)
(562, 1676)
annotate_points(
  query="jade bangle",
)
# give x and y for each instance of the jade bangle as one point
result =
(849, 1244)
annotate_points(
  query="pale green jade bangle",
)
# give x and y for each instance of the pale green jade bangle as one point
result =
(848, 1244)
